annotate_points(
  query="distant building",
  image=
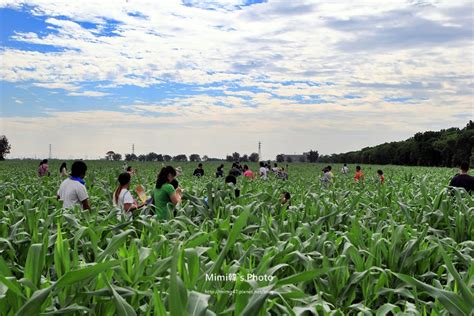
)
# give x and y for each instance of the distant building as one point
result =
(296, 158)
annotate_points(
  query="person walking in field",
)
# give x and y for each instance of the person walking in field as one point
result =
(235, 171)
(63, 170)
(240, 167)
(463, 179)
(123, 198)
(263, 171)
(345, 170)
(199, 171)
(275, 168)
(164, 194)
(282, 174)
(43, 168)
(327, 175)
(359, 175)
(381, 176)
(248, 173)
(130, 170)
(72, 190)
(220, 171)
(232, 180)
(285, 198)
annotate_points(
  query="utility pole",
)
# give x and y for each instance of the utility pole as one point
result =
(133, 149)
(50, 151)
(259, 151)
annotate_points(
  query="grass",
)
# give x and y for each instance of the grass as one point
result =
(404, 247)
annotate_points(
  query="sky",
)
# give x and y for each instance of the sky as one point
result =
(214, 77)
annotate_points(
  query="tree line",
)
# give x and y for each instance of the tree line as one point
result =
(152, 156)
(444, 148)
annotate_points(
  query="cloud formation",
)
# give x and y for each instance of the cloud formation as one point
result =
(298, 75)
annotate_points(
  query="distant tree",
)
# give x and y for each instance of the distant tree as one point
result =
(325, 159)
(109, 155)
(117, 157)
(131, 157)
(4, 147)
(289, 159)
(253, 157)
(302, 158)
(280, 158)
(167, 158)
(313, 156)
(194, 158)
(229, 158)
(181, 158)
(245, 158)
(205, 158)
(447, 147)
(141, 157)
(213, 159)
(152, 156)
(159, 157)
(236, 156)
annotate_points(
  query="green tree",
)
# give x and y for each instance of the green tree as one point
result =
(117, 157)
(253, 157)
(194, 158)
(110, 155)
(313, 156)
(4, 147)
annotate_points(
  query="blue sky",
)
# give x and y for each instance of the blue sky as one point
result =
(214, 77)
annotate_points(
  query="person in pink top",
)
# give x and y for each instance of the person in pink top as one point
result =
(43, 168)
(248, 173)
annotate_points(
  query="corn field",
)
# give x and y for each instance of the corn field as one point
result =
(405, 247)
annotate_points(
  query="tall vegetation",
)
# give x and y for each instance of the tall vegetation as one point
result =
(448, 148)
(404, 247)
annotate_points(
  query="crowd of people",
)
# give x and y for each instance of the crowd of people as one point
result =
(167, 192)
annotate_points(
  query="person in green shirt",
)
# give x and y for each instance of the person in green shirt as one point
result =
(165, 194)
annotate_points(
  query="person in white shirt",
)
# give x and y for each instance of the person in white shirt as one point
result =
(123, 199)
(263, 171)
(275, 168)
(344, 169)
(72, 190)
(63, 170)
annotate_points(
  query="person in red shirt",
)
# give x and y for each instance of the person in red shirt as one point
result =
(358, 175)
(381, 176)
(248, 173)
(43, 168)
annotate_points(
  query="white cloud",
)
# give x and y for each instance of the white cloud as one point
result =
(258, 49)
(88, 94)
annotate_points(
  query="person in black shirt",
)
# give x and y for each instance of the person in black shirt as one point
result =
(232, 179)
(199, 172)
(220, 171)
(235, 171)
(462, 179)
